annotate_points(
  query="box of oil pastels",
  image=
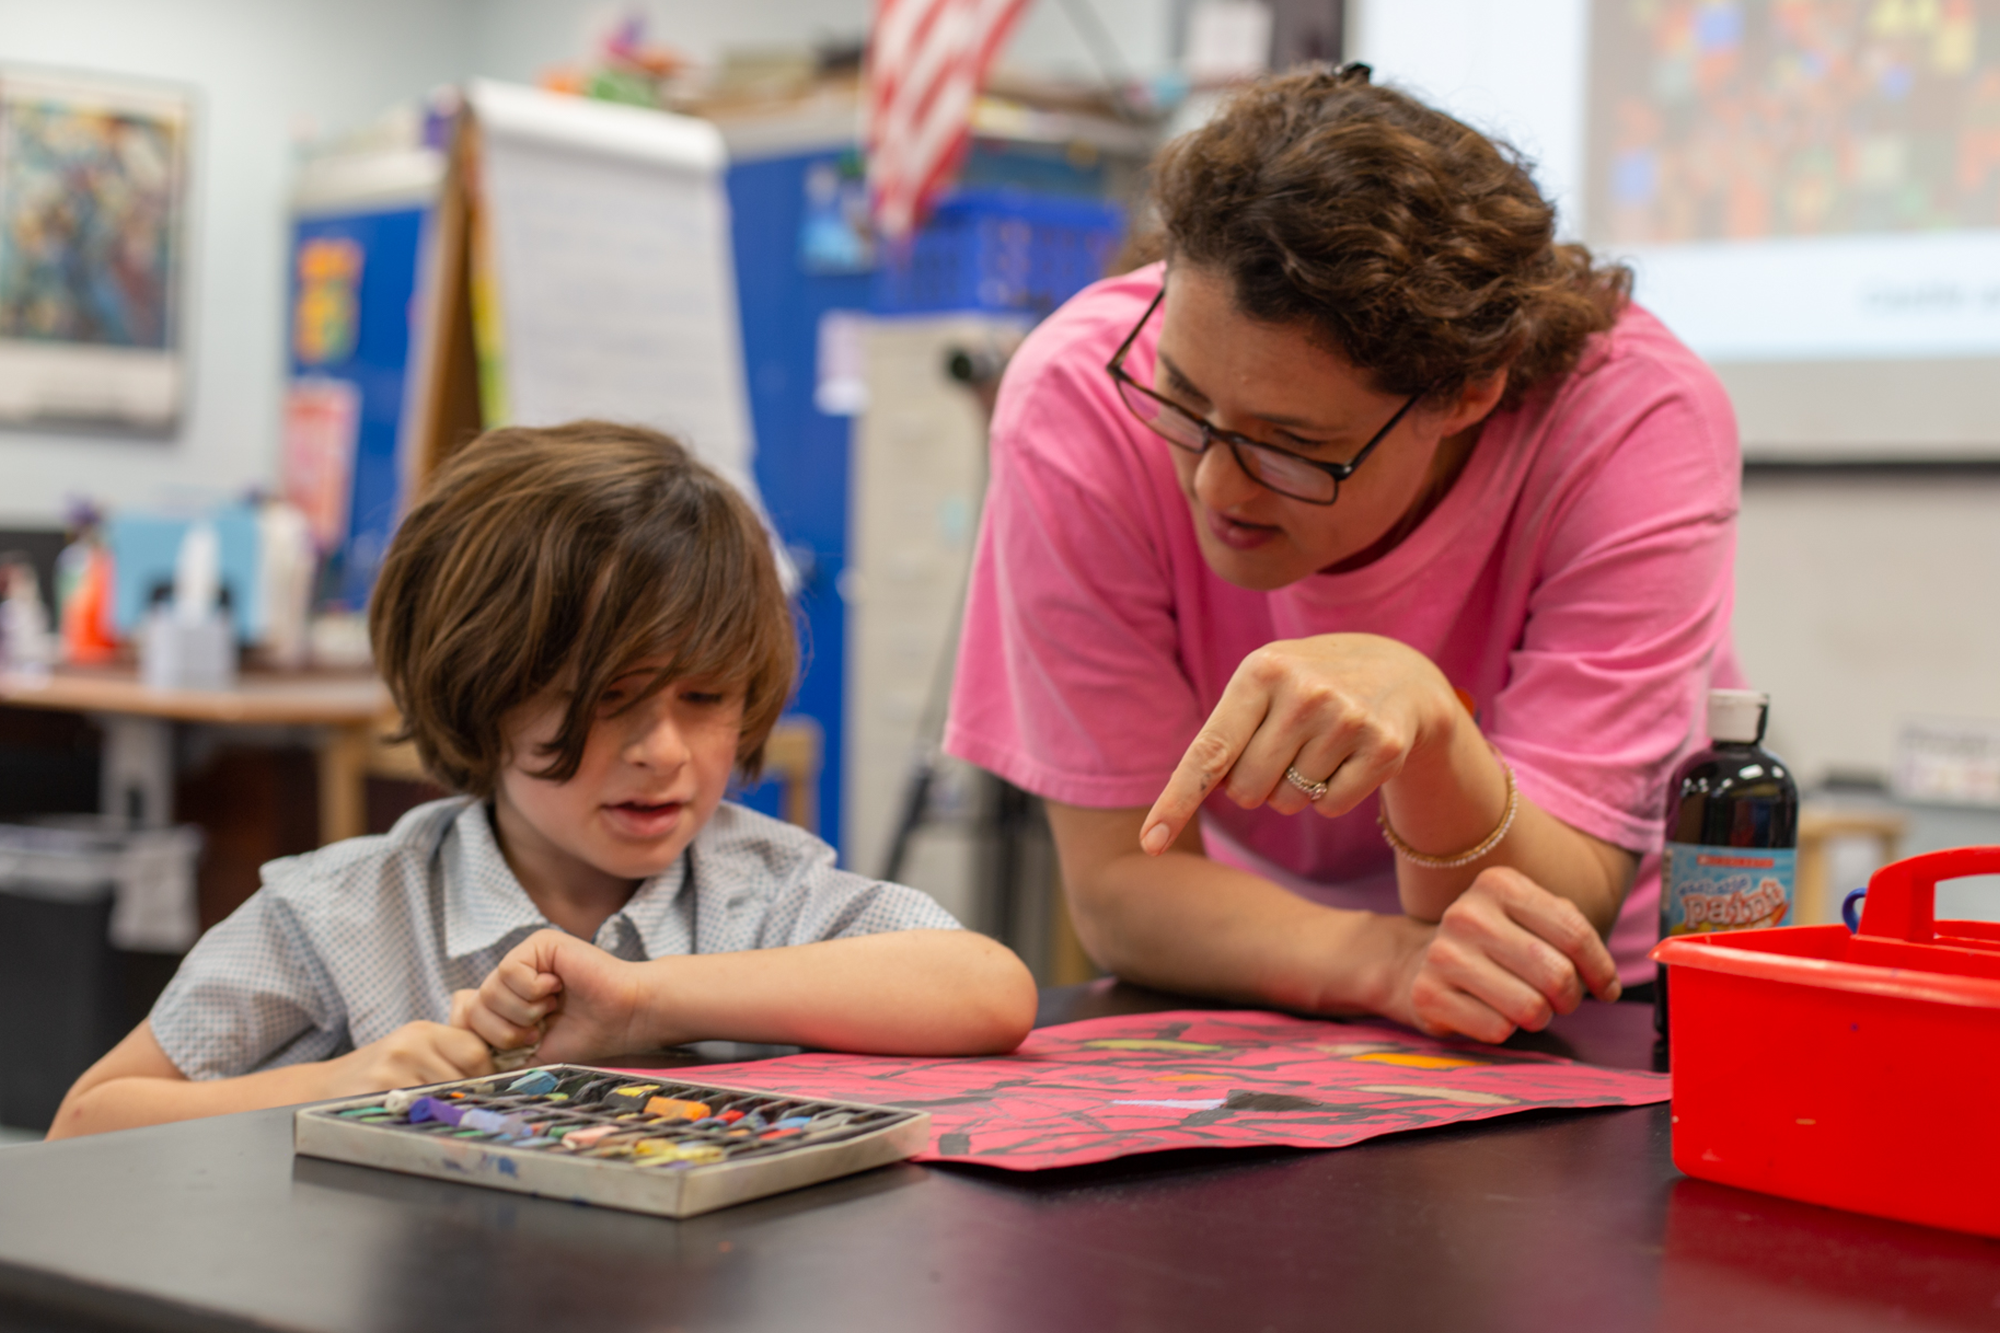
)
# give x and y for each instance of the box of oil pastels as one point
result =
(649, 1144)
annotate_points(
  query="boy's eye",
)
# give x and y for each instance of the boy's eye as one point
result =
(707, 698)
(618, 693)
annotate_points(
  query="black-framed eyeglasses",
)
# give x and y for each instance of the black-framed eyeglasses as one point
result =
(1281, 470)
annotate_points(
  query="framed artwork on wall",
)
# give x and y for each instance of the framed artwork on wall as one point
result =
(93, 186)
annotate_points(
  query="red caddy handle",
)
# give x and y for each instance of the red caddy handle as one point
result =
(1902, 896)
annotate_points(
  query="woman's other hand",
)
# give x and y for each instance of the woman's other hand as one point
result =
(1346, 709)
(1506, 954)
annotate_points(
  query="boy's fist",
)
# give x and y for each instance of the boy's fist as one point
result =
(579, 1001)
(470, 1012)
(414, 1053)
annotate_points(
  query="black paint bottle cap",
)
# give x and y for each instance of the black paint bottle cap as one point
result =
(1737, 716)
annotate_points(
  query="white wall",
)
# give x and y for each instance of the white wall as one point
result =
(1489, 64)
(258, 68)
(1144, 33)
(263, 70)
(1865, 599)
(517, 39)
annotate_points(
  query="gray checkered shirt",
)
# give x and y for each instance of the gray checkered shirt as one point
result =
(344, 945)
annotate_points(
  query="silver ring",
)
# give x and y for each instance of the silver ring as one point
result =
(1313, 790)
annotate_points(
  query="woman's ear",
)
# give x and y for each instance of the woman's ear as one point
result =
(1475, 403)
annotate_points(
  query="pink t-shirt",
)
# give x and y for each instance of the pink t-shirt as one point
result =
(1575, 581)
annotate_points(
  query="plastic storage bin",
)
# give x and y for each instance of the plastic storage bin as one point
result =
(79, 899)
(1855, 1070)
(1001, 250)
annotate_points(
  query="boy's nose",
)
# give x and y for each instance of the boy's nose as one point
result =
(657, 742)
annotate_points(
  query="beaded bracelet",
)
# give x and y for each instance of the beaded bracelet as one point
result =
(1492, 840)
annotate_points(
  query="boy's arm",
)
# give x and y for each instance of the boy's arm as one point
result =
(136, 1084)
(904, 992)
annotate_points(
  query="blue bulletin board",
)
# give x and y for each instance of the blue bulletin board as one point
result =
(801, 458)
(788, 278)
(354, 288)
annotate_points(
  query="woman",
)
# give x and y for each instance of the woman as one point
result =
(1371, 505)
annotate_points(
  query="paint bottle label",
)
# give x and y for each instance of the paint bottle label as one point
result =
(1707, 888)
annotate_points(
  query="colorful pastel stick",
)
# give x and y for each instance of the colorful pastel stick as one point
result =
(495, 1122)
(433, 1108)
(633, 1095)
(533, 1083)
(674, 1108)
(585, 1138)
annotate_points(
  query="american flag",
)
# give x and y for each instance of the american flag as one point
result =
(926, 62)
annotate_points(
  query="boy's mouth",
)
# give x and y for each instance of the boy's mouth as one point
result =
(645, 819)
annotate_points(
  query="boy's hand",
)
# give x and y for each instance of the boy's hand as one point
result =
(414, 1053)
(470, 1012)
(585, 1001)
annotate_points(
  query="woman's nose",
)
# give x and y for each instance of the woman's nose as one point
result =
(1220, 481)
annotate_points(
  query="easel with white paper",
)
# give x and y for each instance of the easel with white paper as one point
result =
(597, 275)
(581, 266)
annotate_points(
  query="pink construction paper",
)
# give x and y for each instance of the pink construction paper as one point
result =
(1113, 1087)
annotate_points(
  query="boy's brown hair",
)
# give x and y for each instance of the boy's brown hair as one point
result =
(561, 557)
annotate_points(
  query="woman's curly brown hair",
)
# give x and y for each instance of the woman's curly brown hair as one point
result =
(1412, 244)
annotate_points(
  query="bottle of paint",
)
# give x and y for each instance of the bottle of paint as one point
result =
(1732, 832)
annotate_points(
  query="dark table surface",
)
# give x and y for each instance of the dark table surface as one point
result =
(1553, 1220)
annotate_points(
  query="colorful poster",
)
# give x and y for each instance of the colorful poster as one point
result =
(1797, 182)
(92, 178)
(322, 424)
(357, 278)
(90, 197)
(1113, 1087)
(1759, 118)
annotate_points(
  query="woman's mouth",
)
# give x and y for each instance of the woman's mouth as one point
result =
(645, 819)
(1238, 535)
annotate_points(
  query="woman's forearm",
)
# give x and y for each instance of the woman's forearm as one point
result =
(1181, 922)
(1452, 794)
(910, 992)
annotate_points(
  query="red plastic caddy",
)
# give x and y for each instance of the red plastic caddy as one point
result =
(1859, 1070)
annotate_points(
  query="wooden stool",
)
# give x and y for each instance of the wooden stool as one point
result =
(1815, 903)
(792, 755)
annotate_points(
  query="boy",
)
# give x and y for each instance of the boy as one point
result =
(585, 632)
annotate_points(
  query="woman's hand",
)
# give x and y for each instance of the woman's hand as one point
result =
(1349, 709)
(1507, 954)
